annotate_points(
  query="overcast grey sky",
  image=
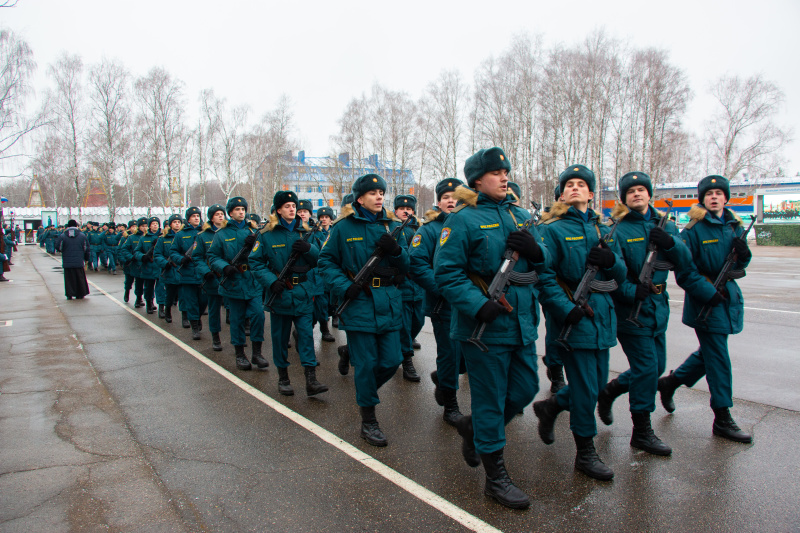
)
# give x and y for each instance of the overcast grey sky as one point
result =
(322, 54)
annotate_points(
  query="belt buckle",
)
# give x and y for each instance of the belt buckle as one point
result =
(295, 280)
(376, 283)
(244, 268)
(659, 289)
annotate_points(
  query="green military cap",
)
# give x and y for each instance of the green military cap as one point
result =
(366, 183)
(347, 199)
(173, 218)
(405, 200)
(483, 161)
(213, 209)
(305, 204)
(445, 186)
(634, 178)
(236, 201)
(515, 189)
(284, 197)
(323, 211)
(580, 172)
(713, 182)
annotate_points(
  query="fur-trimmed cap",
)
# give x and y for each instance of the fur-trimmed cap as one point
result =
(325, 211)
(213, 209)
(366, 183)
(634, 178)
(154, 219)
(254, 217)
(141, 222)
(580, 172)
(284, 197)
(236, 201)
(173, 218)
(713, 182)
(347, 199)
(483, 161)
(193, 211)
(445, 186)
(515, 189)
(307, 205)
(405, 200)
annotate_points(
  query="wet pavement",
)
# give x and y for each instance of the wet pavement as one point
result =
(108, 424)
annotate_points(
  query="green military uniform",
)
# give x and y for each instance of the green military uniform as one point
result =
(96, 238)
(170, 278)
(374, 318)
(710, 239)
(192, 299)
(148, 270)
(132, 266)
(321, 296)
(210, 278)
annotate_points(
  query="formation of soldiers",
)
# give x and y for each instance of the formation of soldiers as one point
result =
(480, 267)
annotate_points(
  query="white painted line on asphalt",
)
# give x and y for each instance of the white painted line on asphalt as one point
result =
(415, 489)
(5, 323)
(752, 308)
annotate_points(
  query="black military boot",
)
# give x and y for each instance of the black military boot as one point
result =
(555, 374)
(409, 372)
(416, 345)
(184, 320)
(498, 483)
(326, 333)
(195, 330)
(168, 314)
(644, 438)
(725, 427)
(227, 316)
(335, 322)
(605, 400)
(216, 344)
(451, 413)
(464, 427)
(200, 323)
(284, 385)
(257, 358)
(437, 392)
(344, 359)
(161, 311)
(667, 386)
(151, 308)
(127, 296)
(312, 385)
(241, 359)
(547, 411)
(588, 462)
(139, 302)
(370, 430)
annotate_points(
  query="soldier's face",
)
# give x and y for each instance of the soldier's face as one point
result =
(288, 211)
(637, 198)
(143, 228)
(325, 220)
(304, 214)
(238, 213)
(714, 200)
(447, 202)
(577, 193)
(403, 212)
(372, 201)
(176, 225)
(194, 220)
(154, 226)
(493, 184)
(218, 217)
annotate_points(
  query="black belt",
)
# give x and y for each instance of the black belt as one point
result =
(658, 289)
(295, 279)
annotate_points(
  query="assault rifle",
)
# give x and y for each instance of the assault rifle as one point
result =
(588, 283)
(369, 267)
(152, 250)
(497, 288)
(727, 272)
(651, 264)
(537, 216)
(188, 253)
(240, 259)
(285, 274)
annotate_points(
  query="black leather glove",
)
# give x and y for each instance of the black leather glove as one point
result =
(277, 287)
(250, 239)
(147, 259)
(642, 292)
(602, 257)
(300, 247)
(209, 276)
(389, 245)
(742, 250)
(716, 299)
(185, 260)
(523, 242)
(661, 238)
(229, 270)
(575, 316)
(353, 291)
(489, 311)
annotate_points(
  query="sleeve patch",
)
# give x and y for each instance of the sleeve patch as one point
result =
(445, 235)
(416, 240)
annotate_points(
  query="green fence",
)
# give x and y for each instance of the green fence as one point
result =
(777, 234)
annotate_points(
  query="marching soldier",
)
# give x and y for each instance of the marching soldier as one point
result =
(516, 191)
(96, 238)
(502, 379)
(237, 282)
(148, 270)
(413, 314)
(321, 296)
(169, 275)
(216, 220)
(552, 357)
(573, 234)
(192, 299)
(712, 232)
(132, 264)
(304, 210)
(373, 320)
(645, 343)
(421, 253)
(293, 297)
(344, 356)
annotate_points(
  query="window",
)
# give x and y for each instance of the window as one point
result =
(411, 190)
(310, 189)
(320, 202)
(285, 186)
(330, 202)
(330, 190)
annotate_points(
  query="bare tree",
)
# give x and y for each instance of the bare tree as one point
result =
(743, 134)
(444, 107)
(110, 126)
(69, 108)
(16, 70)
(50, 165)
(226, 129)
(351, 140)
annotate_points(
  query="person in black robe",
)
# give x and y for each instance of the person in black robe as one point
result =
(74, 248)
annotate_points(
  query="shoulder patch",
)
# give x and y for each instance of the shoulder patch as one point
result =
(458, 208)
(256, 246)
(445, 235)
(550, 220)
(416, 240)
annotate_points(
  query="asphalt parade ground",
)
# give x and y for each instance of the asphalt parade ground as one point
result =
(113, 420)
